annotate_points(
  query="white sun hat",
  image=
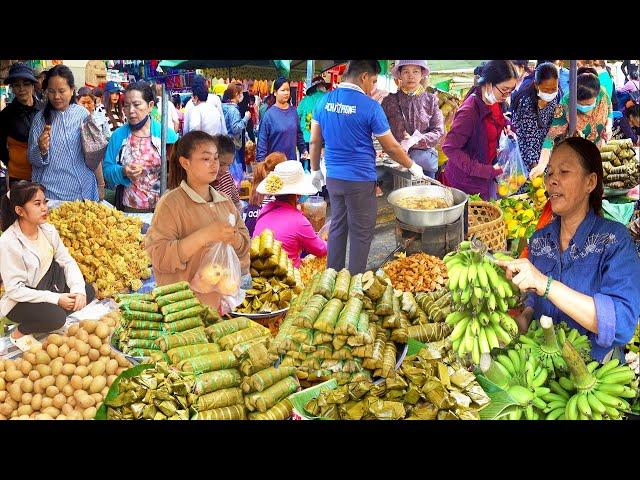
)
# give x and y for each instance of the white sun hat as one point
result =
(290, 176)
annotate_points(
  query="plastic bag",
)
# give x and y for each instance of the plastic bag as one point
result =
(219, 270)
(514, 172)
(324, 231)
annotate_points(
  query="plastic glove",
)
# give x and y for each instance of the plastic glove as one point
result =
(542, 164)
(317, 179)
(416, 171)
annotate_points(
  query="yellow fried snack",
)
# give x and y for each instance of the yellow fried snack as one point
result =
(108, 245)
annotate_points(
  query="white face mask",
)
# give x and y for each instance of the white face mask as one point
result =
(489, 96)
(547, 97)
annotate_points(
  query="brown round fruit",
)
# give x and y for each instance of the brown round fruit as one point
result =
(94, 354)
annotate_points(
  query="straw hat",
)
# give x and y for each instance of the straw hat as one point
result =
(290, 175)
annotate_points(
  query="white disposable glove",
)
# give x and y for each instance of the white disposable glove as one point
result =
(416, 171)
(317, 179)
(542, 164)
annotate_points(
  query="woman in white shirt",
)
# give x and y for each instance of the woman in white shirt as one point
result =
(42, 282)
(203, 116)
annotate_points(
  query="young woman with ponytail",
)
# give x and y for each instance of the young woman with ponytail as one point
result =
(193, 216)
(42, 282)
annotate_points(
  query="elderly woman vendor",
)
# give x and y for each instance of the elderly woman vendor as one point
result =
(193, 216)
(581, 269)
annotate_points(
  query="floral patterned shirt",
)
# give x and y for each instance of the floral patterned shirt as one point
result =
(144, 191)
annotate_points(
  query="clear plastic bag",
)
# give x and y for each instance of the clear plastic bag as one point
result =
(514, 172)
(220, 272)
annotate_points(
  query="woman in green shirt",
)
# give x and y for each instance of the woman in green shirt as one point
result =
(594, 120)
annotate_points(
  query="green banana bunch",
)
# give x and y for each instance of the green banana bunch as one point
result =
(597, 391)
(523, 377)
(547, 346)
(563, 333)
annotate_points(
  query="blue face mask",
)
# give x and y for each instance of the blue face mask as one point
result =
(586, 108)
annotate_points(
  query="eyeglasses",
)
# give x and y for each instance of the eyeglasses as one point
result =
(19, 85)
(504, 94)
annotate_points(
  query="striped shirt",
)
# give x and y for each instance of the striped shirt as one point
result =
(225, 184)
(63, 170)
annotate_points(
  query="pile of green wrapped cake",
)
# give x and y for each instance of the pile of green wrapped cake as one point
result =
(345, 327)
(147, 317)
(430, 385)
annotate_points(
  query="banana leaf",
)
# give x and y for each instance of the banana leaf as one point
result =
(234, 412)
(269, 376)
(174, 297)
(220, 398)
(229, 341)
(178, 354)
(166, 289)
(183, 325)
(179, 315)
(329, 316)
(190, 337)
(217, 380)
(327, 283)
(341, 288)
(280, 411)
(178, 306)
(349, 318)
(209, 362)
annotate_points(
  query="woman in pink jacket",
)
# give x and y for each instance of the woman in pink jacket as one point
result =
(282, 216)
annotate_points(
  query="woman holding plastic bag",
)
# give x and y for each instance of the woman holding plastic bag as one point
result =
(471, 144)
(194, 226)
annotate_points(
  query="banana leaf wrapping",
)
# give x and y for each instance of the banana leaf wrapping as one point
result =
(178, 354)
(289, 361)
(306, 294)
(159, 356)
(385, 304)
(321, 338)
(362, 376)
(431, 332)
(142, 343)
(339, 341)
(188, 313)
(266, 243)
(324, 352)
(291, 274)
(240, 349)
(184, 324)
(349, 317)
(280, 411)
(341, 288)
(229, 341)
(409, 305)
(234, 412)
(326, 284)
(180, 305)
(254, 248)
(132, 297)
(368, 304)
(310, 312)
(364, 351)
(343, 354)
(174, 297)
(217, 380)
(257, 264)
(264, 400)
(135, 315)
(352, 366)
(220, 398)
(144, 334)
(256, 359)
(270, 376)
(303, 336)
(311, 363)
(146, 325)
(139, 306)
(329, 316)
(332, 366)
(209, 362)
(365, 334)
(401, 334)
(355, 287)
(614, 148)
(389, 359)
(379, 345)
(220, 329)
(190, 337)
(282, 264)
(299, 354)
(140, 352)
(166, 289)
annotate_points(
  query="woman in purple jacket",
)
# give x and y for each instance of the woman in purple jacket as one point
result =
(472, 141)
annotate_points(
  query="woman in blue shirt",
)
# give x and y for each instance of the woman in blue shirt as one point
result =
(55, 142)
(279, 129)
(582, 269)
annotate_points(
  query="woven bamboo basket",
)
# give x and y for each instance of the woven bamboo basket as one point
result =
(486, 222)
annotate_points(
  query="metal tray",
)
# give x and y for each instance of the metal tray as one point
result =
(259, 315)
(131, 358)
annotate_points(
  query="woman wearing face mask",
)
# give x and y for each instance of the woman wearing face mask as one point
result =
(55, 142)
(533, 110)
(472, 141)
(581, 268)
(43, 283)
(594, 119)
(15, 122)
(132, 160)
(279, 128)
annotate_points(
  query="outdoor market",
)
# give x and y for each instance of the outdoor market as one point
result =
(319, 240)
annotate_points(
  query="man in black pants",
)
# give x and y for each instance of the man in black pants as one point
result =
(345, 121)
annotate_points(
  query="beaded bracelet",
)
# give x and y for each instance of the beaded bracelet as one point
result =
(546, 291)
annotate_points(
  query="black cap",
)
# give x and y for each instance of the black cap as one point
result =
(20, 70)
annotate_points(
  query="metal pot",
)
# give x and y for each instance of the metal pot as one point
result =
(427, 218)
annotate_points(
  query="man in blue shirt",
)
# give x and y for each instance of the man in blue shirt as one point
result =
(345, 120)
